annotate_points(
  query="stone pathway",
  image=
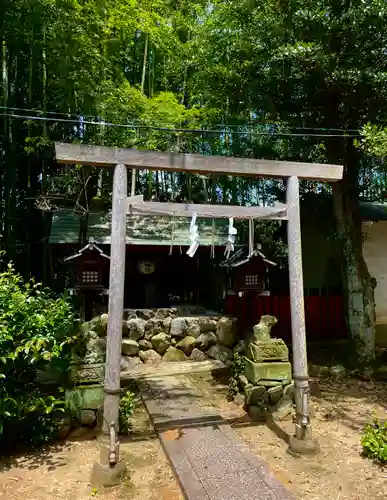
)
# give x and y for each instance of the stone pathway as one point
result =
(171, 368)
(209, 460)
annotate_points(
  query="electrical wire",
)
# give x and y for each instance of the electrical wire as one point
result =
(16, 245)
(224, 125)
(173, 130)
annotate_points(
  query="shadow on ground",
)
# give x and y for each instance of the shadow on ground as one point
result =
(26, 459)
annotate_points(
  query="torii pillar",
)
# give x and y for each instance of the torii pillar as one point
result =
(301, 442)
(111, 468)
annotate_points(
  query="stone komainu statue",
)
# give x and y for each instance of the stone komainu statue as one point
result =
(263, 329)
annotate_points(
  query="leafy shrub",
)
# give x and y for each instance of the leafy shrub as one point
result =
(35, 336)
(374, 441)
(237, 368)
(127, 405)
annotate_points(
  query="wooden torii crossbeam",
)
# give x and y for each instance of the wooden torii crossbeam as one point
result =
(103, 156)
(177, 162)
(137, 205)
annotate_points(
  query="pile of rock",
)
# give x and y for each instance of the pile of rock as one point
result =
(267, 379)
(150, 336)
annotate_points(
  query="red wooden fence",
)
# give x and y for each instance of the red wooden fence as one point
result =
(324, 318)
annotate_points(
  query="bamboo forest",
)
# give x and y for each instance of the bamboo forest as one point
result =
(193, 234)
(274, 80)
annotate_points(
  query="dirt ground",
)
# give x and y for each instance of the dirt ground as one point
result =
(63, 471)
(339, 472)
(341, 410)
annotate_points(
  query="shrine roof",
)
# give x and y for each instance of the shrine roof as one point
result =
(140, 230)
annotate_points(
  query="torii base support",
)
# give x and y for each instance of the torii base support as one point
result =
(308, 446)
(103, 474)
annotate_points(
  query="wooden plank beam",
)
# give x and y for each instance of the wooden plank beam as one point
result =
(277, 212)
(103, 156)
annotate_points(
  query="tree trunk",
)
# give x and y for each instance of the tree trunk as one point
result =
(9, 174)
(45, 216)
(357, 282)
(144, 64)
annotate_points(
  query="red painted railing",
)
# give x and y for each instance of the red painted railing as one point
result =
(324, 318)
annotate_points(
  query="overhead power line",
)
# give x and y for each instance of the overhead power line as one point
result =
(81, 121)
(81, 116)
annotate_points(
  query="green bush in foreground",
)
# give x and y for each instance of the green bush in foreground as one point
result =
(35, 335)
(237, 368)
(127, 406)
(374, 441)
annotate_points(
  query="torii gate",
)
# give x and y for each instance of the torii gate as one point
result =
(120, 159)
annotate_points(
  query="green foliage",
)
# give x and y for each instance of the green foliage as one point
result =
(35, 335)
(127, 405)
(230, 66)
(237, 368)
(374, 140)
(374, 441)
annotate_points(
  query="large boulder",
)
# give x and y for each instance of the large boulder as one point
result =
(227, 332)
(174, 354)
(220, 352)
(128, 363)
(162, 313)
(337, 371)
(193, 328)
(145, 313)
(178, 327)
(207, 324)
(145, 345)
(149, 357)
(206, 340)
(197, 355)
(275, 394)
(186, 345)
(136, 328)
(130, 347)
(166, 327)
(153, 327)
(161, 342)
(125, 329)
(289, 390)
(87, 418)
(255, 395)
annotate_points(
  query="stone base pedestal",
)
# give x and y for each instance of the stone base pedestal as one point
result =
(104, 475)
(267, 380)
(307, 446)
